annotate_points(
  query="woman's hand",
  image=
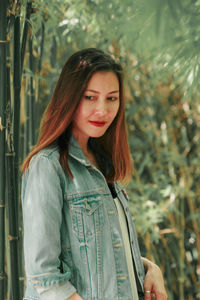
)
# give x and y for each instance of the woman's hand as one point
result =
(153, 282)
(75, 297)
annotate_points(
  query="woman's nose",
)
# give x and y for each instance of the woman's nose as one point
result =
(100, 108)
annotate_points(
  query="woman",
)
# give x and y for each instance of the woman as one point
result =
(79, 239)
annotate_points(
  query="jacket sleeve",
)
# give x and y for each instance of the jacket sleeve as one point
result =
(42, 201)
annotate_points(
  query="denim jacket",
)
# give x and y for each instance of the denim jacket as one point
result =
(72, 236)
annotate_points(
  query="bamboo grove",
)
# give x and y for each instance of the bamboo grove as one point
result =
(163, 125)
(11, 72)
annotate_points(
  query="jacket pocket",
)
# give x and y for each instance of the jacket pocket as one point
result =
(87, 216)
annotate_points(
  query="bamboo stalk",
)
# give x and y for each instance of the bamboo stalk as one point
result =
(41, 47)
(31, 96)
(37, 107)
(11, 198)
(23, 146)
(3, 43)
(12, 216)
(29, 105)
(25, 32)
(17, 86)
(10, 184)
(16, 131)
(26, 122)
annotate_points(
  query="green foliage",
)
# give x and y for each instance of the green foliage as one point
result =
(163, 32)
(164, 193)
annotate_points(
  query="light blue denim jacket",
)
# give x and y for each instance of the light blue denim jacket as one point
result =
(72, 235)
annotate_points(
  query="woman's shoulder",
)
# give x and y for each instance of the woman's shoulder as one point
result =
(44, 168)
(50, 154)
(52, 151)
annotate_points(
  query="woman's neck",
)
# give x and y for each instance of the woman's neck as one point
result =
(83, 142)
(92, 159)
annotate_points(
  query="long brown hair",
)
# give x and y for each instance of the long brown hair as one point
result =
(58, 116)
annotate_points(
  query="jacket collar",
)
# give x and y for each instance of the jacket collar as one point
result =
(76, 152)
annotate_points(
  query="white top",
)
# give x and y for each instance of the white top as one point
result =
(125, 236)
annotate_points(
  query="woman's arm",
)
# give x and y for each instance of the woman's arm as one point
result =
(42, 200)
(153, 282)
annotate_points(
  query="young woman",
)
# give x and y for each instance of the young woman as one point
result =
(79, 239)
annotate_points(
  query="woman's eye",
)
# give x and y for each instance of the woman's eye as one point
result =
(112, 98)
(87, 97)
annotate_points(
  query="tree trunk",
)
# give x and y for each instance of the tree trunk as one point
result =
(3, 42)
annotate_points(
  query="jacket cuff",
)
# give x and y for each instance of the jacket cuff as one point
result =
(60, 291)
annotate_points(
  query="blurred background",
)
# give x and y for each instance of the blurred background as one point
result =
(158, 43)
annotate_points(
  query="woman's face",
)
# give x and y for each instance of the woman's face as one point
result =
(98, 107)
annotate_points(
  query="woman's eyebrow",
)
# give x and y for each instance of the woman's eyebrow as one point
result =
(97, 92)
(113, 92)
(89, 90)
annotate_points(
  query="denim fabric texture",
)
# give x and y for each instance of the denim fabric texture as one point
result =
(72, 235)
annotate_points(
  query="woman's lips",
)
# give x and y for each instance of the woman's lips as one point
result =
(98, 123)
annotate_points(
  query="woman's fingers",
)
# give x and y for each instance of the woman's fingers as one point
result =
(154, 283)
(147, 294)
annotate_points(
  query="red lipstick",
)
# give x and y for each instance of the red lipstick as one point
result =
(98, 123)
